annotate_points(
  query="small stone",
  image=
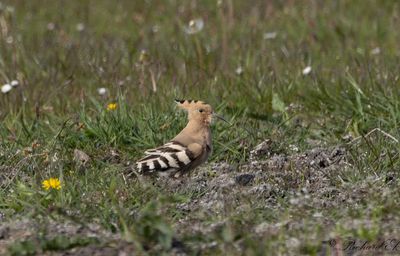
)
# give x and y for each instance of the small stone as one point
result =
(262, 228)
(244, 179)
(293, 242)
(4, 232)
(80, 157)
(261, 149)
(389, 178)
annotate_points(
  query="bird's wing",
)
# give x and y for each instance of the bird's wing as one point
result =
(171, 155)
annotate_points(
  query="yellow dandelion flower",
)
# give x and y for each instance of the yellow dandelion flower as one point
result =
(51, 183)
(112, 106)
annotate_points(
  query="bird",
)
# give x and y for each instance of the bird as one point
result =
(187, 150)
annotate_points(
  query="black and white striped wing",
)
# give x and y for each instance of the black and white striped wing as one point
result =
(171, 156)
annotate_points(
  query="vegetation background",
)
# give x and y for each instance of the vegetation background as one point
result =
(313, 77)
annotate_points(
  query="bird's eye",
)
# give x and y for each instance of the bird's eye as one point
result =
(201, 110)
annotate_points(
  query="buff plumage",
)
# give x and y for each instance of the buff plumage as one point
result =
(189, 149)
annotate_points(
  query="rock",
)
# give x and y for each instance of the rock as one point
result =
(244, 179)
(262, 149)
(81, 158)
(4, 232)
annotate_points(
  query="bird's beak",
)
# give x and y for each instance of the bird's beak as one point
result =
(220, 117)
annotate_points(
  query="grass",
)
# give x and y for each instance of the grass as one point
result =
(61, 52)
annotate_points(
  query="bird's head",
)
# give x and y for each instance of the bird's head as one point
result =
(197, 110)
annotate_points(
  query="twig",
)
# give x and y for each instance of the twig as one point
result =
(123, 177)
(371, 132)
(153, 80)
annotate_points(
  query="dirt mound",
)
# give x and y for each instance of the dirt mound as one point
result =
(266, 178)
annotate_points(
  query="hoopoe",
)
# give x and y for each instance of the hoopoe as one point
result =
(189, 149)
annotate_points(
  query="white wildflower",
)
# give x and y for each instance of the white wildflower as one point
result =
(317, 215)
(80, 27)
(239, 70)
(376, 51)
(360, 50)
(270, 35)
(293, 148)
(10, 9)
(102, 91)
(195, 26)
(51, 26)
(14, 83)
(155, 28)
(294, 201)
(9, 40)
(307, 70)
(6, 88)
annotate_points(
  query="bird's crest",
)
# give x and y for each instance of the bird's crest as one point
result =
(197, 110)
(191, 104)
